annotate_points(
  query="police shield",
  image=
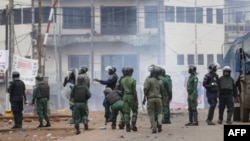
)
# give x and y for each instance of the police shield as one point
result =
(66, 92)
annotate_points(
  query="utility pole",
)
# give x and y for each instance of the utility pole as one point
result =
(33, 29)
(6, 43)
(92, 42)
(195, 32)
(161, 32)
(39, 38)
(11, 34)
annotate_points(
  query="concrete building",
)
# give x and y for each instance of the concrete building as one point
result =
(137, 33)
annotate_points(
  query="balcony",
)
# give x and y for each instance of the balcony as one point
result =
(233, 31)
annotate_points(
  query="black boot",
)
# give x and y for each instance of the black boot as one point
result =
(229, 116)
(221, 112)
(195, 115)
(121, 125)
(134, 118)
(77, 129)
(85, 122)
(190, 115)
(40, 124)
(210, 116)
(48, 124)
(128, 127)
(159, 128)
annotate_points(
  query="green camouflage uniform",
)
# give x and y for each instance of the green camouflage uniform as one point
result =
(41, 104)
(192, 97)
(130, 101)
(154, 97)
(115, 107)
(80, 109)
(167, 83)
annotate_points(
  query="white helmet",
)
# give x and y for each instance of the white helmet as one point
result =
(109, 68)
(226, 68)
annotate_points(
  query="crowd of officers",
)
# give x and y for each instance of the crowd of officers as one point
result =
(120, 97)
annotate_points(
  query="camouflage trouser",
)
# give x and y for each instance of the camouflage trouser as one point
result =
(154, 107)
(128, 105)
(80, 112)
(166, 109)
(42, 109)
(116, 108)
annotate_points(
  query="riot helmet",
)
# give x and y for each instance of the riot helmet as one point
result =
(83, 70)
(192, 69)
(213, 67)
(110, 69)
(39, 77)
(107, 91)
(226, 70)
(15, 75)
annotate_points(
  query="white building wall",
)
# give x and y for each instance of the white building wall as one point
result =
(180, 37)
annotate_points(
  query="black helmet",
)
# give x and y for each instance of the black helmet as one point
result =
(39, 77)
(114, 69)
(124, 70)
(192, 68)
(212, 67)
(151, 68)
(15, 75)
(80, 79)
(130, 70)
(83, 69)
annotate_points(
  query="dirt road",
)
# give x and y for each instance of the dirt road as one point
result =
(62, 131)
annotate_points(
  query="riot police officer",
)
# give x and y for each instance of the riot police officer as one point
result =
(192, 96)
(80, 95)
(110, 82)
(128, 86)
(83, 71)
(113, 98)
(153, 93)
(41, 95)
(227, 91)
(17, 98)
(112, 79)
(210, 82)
(167, 83)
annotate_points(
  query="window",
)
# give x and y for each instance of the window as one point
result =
(119, 61)
(17, 16)
(219, 16)
(220, 59)
(151, 17)
(76, 17)
(45, 14)
(210, 59)
(199, 15)
(27, 15)
(76, 61)
(190, 59)
(2, 17)
(180, 59)
(118, 20)
(200, 59)
(238, 16)
(190, 15)
(209, 15)
(169, 13)
(180, 14)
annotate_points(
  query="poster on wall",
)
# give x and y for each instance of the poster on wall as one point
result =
(4, 63)
(179, 76)
(27, 68)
